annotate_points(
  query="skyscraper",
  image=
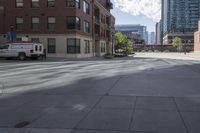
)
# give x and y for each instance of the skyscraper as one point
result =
(151, 38)
(158, 33)
(180, 18)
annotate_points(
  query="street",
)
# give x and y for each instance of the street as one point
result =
(154, 93)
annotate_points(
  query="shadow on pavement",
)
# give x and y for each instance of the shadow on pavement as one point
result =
(100, 98)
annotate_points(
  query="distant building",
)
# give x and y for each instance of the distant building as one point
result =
(151, 38)
(137, 33)
(180, 18)
(158, 33)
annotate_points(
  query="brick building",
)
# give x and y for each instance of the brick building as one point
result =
(67, 28)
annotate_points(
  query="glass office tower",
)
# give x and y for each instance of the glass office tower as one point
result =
(131, 29)
(180, 18)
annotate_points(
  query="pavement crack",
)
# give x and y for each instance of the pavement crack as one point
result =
(179, 112)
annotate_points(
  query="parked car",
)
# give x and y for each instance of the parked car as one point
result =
(22, 50)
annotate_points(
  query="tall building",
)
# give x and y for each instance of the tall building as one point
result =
(158, 33)
(151, 38)
(134, 30)
(67, 28)
(180, 18)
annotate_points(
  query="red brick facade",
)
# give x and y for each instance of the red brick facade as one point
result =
(101, 21)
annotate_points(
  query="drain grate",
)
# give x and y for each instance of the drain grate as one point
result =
(22, 124)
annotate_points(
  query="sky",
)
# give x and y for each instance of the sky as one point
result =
(144, 12)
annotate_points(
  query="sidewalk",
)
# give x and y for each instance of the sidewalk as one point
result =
(141, 95)
(170, 55)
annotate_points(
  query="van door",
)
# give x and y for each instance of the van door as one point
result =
(4, 49)
(13, 50)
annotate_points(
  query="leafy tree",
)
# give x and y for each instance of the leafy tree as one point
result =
(177, 42)
(130, 47)
(124, 42)
(121, 40)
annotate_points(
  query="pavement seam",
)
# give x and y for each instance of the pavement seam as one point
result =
(18, 108)
(113, 85)
(132, 114)
(179, 112)
(110, 130)
(193, 69)
(87, 114)
(93, 108)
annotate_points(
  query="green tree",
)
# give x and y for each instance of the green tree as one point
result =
(177, 43)
(130, 47)
(124, 42)
(121, 40)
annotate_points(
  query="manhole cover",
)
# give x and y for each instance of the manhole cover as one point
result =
(22, 124)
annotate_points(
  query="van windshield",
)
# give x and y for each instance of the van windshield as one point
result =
(4, 47)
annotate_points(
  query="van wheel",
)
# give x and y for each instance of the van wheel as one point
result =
(22, 56)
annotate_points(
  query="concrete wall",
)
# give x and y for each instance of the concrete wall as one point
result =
(197, 42)
(102, 41)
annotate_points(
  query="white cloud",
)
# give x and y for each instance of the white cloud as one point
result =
(149, 8)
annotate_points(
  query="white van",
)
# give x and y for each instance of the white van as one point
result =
(22, 50)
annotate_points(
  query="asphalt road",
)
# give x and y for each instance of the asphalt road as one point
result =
(129, 95)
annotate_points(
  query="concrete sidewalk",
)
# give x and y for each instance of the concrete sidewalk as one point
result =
(142, 95)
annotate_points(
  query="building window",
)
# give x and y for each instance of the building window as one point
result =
(51, 23)
(19, 23)
(51, 3)
(36, 40)
(86, 7)
(86, 26)
(87, 46)
(73, 3)
(51, 45)
(18, 39)
(35, 4)
(35, 23)
(73, 45)
(73, 23)
(103, 47)
(19, 3)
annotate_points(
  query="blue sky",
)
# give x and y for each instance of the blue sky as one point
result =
(144, 12)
